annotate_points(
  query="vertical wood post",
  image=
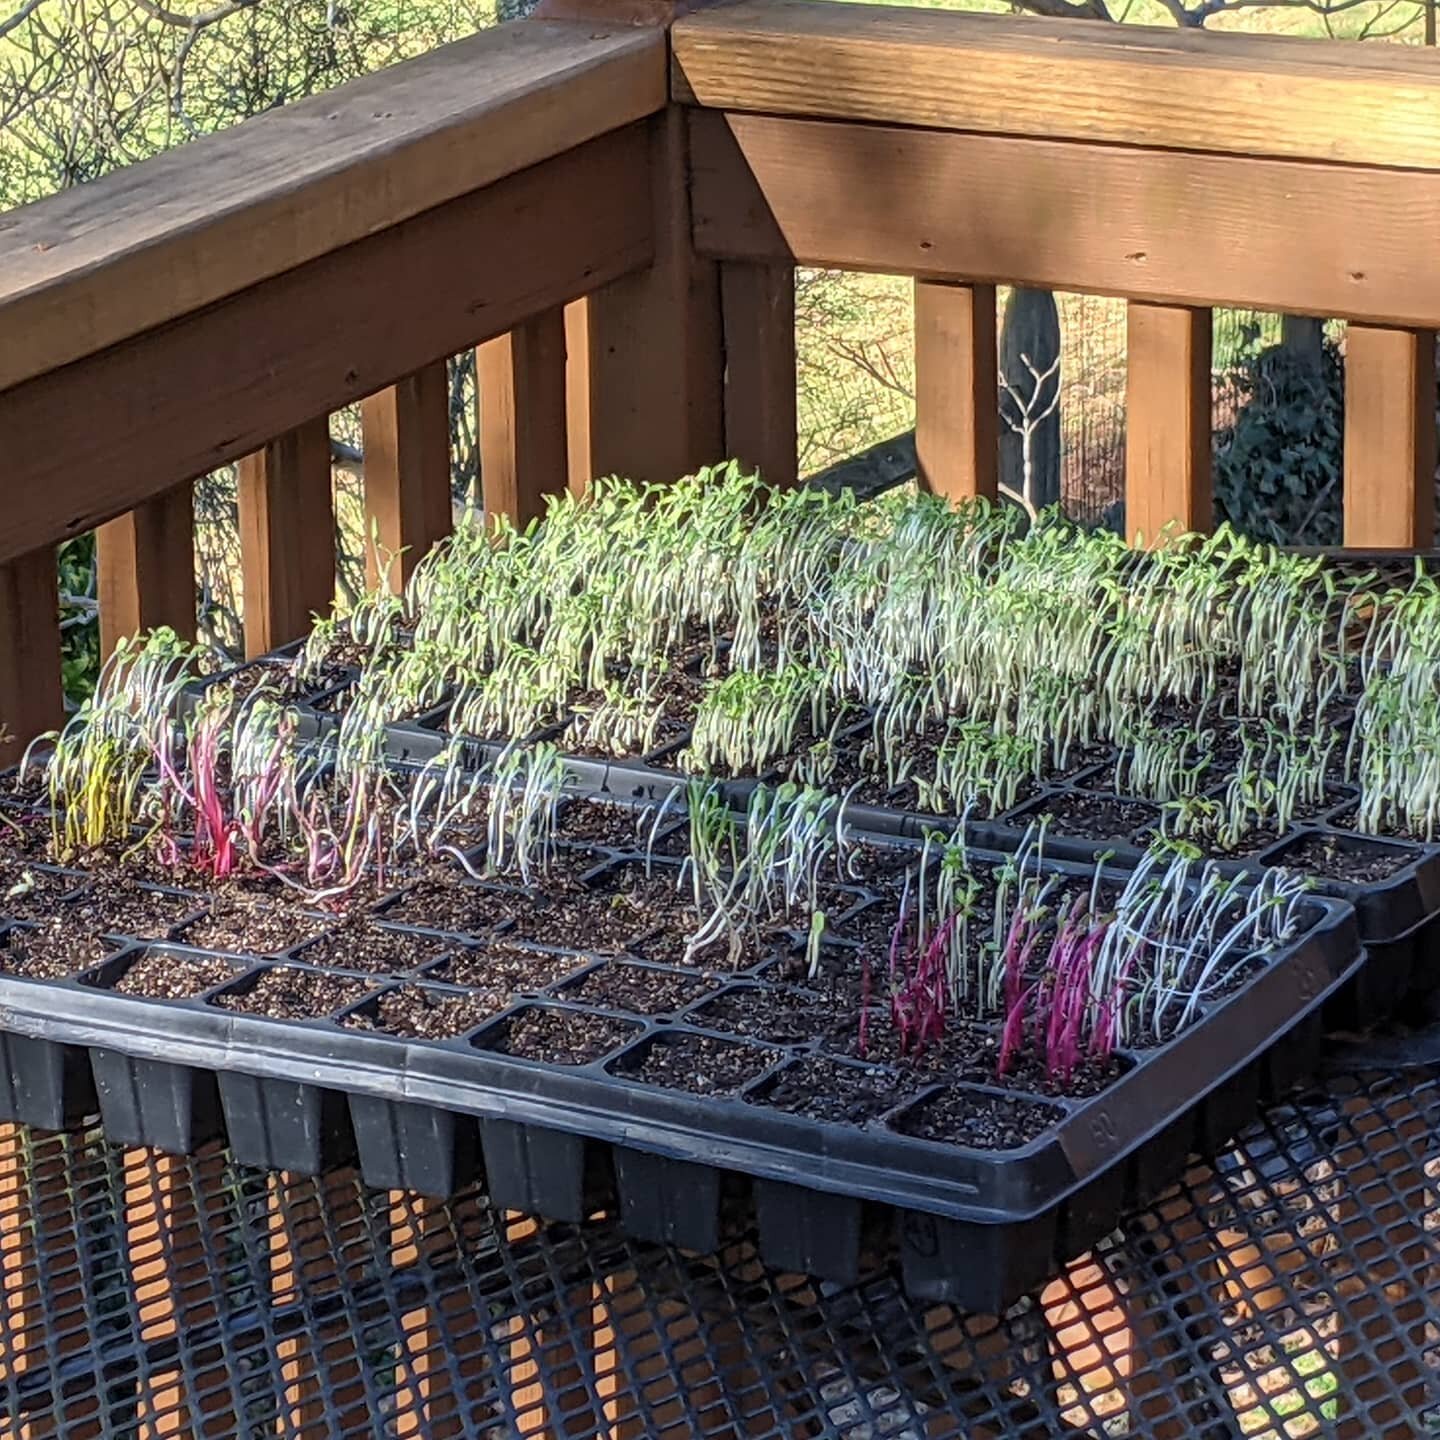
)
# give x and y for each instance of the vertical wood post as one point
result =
(957, 390)
(30, 693)
(653, 371)
(287, 535)
(406, 433)
(146, 567)
(520, 382)
(1167, 420)
(758, 306)
(1389, 437)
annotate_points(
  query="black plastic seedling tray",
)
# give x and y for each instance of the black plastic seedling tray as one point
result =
(973, 1227)
(1398, 917)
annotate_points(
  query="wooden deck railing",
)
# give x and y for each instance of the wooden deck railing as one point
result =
(621, 244)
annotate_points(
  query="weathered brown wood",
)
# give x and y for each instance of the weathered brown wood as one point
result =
(1389, 487)
(406, 432)
(287, 535)
(30, 695)
(956, 390)
(577, 394)
(1167, 421)
(1102, 219)
(95, 265)
(758, 307)
(523, 448)
(146, 561)
(186, 401)
(654, 368)
(1065, 79)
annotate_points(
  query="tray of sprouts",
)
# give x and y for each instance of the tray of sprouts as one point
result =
(974, 1059)
(934, 664)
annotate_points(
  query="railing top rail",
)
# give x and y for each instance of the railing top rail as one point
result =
(1282, 97)
(93, 266)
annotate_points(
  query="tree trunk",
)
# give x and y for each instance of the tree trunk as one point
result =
(1031, 332)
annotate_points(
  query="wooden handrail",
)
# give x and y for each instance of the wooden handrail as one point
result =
(219, 302)
(969, 151)
(1279, 96)
(96, 265)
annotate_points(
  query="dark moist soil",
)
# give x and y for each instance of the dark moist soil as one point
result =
(1093, 817)
(1345, 820)
(562, 1037)
(613, 914)
(501, 967)
(28, 893)
(701, 1064)
(1344, 858)
(289, 993)
(415, 1012)
(373, 949)
(785, 1016)
(456, 906)
(54, 950)
(252, 926)
(639, 989)
(979, 1122)
(678, 695)
(113, 906)
(820, 1088)
(161, 975)
(591, 822)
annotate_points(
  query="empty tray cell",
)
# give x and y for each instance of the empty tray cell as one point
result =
(958, 1115)
(253, 925)
(557, 1036)
(1334, 855)
(702, 1064)
(776, 1013)
(161, 973)
(139, 912)
(427, 1012)
(50, 950)
(820, 1088)
(500, 966)
(457, 906)
(374, 949)
(640, 989)
(287, 992)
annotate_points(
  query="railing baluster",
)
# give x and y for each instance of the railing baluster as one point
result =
(407, 470)
(956, 390)
(287, 535)
(654, 365)
(1167, 420)
(523, 450)
(146, 565)
(758, 304)
(1389, 437)
(30, 693)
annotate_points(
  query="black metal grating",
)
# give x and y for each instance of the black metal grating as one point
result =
(1290, 1287)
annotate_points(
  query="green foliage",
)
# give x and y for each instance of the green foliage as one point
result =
(1278, 463)
(80, 632)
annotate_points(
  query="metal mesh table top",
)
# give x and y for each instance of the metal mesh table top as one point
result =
(1289, 1286)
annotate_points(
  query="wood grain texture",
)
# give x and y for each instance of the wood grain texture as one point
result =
(1389, 484)
(1167, 421)
(577, 394)
(30, 693)
(217, 385)
(146, 563)
(105, 261)
(406, 433)
(1065, 79)
(654, 368)
(758, 306)
(957, 386)
(523, 449)
(1148, 225)
(287, 535)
